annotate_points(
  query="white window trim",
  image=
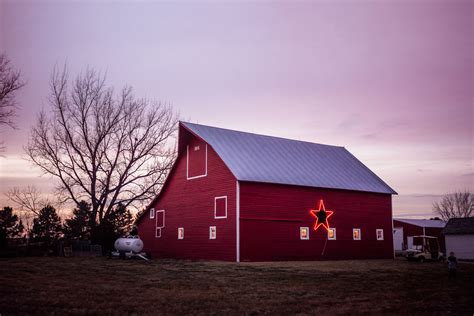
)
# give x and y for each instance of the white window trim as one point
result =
(180, 237)
(360, 234)
(152, 213)
(159, 228)
(215, 206)
(301, 233)
(332, 238)
(237, 221)
(156, 215)
(187, 166)
(377, 233)
(210, 232)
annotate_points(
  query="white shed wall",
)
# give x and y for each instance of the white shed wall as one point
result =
(461, 245)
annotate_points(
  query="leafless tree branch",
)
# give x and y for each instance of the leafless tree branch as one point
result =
(10, 83)
(455, 205)
(30, 200)
(104, 147)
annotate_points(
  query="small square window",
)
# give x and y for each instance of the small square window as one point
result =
(196, 148)
(332, 234)
(212, 232)
(304, 233)
(379, 234)
(158, 233)
(152, 213)
(180, 232)
(356, 234)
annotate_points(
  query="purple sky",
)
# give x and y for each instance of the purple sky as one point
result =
(391, 81)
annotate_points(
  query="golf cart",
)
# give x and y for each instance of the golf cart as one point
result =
(424, 248)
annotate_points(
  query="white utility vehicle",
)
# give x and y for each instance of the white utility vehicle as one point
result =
(424, 248)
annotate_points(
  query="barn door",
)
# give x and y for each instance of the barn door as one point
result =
(398, 238)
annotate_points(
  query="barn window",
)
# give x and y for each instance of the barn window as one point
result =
(196, 162)
(160, 222)
(356, 234)
(152, 213)
(212, 232)
(332, 234)
(160, 219)
(180, 232)
(220, 207)
(379, 234)
(304, 233)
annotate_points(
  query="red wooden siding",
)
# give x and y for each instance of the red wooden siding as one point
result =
(190, 204)
(196, 152)
(271, 217)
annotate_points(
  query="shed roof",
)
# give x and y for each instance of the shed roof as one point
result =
(259, 158)
(422, 222)
(459, 226)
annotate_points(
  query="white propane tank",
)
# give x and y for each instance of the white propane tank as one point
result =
(134, 244)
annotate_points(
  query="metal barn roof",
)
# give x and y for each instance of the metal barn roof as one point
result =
(259, 158)
(423, 222)
(459, 226)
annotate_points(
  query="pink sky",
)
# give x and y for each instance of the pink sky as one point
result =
(391, 81)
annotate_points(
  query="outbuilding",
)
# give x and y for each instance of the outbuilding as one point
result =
(459, 235)
(239, 196)
(405, 229)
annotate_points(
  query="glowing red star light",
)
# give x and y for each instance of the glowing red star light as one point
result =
(321, 216)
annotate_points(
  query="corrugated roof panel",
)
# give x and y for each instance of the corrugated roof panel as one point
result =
(422, 222)
(259, 158)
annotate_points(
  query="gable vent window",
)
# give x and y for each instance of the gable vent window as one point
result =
(196, 148)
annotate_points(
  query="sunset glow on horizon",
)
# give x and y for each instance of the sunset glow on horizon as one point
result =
(391, 81)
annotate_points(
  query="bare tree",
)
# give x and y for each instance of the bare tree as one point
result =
(30, 200)
(103, 147)
(10, 82)
(454, 205)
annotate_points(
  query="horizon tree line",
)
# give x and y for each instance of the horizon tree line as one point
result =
(48, 228)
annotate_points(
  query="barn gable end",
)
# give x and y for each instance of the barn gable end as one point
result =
(188, 198)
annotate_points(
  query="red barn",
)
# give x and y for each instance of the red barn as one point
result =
(238, 196)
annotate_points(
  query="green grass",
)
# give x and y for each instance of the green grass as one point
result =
(64, 286)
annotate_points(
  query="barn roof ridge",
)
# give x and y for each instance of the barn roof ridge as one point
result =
(260, 135)
(270, 159)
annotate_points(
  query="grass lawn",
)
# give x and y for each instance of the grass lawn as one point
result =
(64, 286)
